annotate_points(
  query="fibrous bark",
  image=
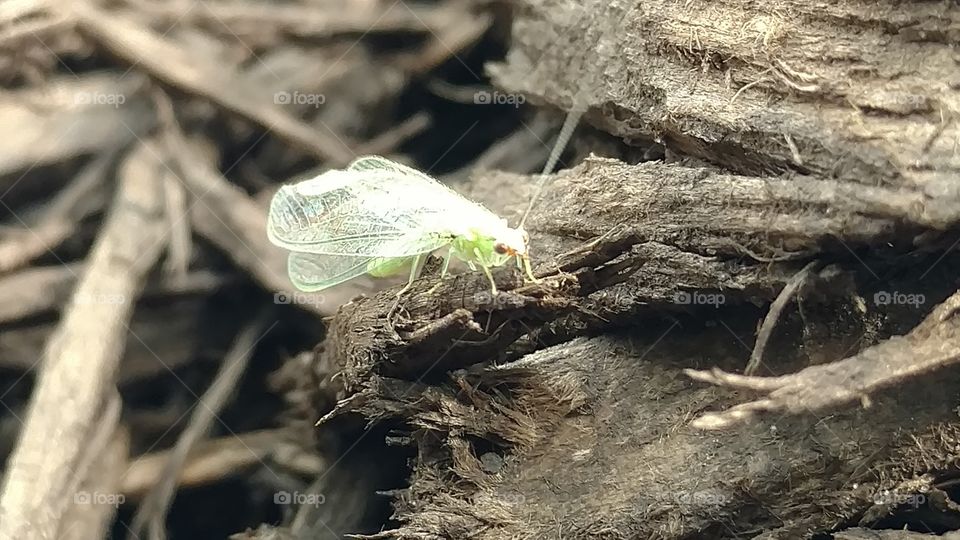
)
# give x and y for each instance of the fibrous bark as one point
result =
(800, 137)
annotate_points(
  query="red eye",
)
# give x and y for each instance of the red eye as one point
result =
(500, 248)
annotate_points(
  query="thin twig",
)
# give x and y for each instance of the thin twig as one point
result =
(931, 346)
(770, 321)
(152, 512)
(59, 219)
(210, 461)
(82, 357)
(192, 72)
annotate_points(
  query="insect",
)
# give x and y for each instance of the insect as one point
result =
(381, 218)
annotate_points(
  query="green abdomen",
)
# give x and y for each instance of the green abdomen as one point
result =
(389, 266)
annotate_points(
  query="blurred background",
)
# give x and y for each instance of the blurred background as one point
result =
(142, 143)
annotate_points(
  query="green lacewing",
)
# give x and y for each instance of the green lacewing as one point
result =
(382, 218)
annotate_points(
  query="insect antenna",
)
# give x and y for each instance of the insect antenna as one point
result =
(569, 124)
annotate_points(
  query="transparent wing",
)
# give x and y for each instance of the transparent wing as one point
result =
(374, 208)
(312, 272)
(382, 164)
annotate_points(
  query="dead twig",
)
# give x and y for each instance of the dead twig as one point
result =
(932, 345)
(37, 290)
(82, 357)
(153, 511)
(84, 196)
(770, 321)
(98, 496)
(191, 72)
(209, 461)
(388, 141)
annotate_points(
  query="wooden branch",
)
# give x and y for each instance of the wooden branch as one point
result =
(81, 359)
(209, 461)
(931, 346)
(59, 219)
(191, 72)
(153, 510)
(99, 496)
(91, 115)
(861, 92)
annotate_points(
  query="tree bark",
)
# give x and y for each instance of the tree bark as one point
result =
(795, 133)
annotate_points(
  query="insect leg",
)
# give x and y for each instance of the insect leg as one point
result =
(446, 264)
(418, 263)
(526, 267)
(493, 284)
(414, 272)
(443, 271)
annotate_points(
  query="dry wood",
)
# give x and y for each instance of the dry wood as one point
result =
(71, 117)
(859, 91)
(84, 196)
(578, 426)
(630, 240)
(192, 73)
(152, 511)
(210, 461)
(81, 359)
(872, 534)
(682, 229)
(261, 25)
(933, 345)
(101, 488)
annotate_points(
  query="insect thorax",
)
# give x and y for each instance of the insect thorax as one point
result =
(478, 247)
